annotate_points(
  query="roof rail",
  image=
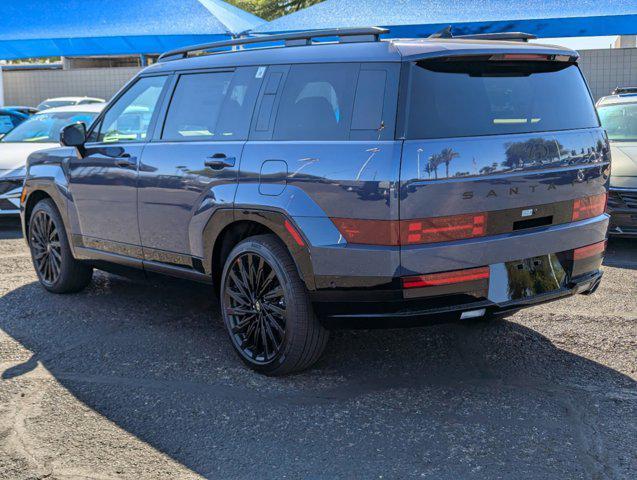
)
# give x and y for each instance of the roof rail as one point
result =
(345, 35)
(624, 90)
(515, 36)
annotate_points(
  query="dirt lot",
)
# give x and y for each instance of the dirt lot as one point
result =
(128, 380)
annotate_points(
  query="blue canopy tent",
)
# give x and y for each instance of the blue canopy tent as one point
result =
(36, 28)
(418, 18)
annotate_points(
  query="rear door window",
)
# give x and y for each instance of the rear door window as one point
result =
(317, 102)
(470, 98)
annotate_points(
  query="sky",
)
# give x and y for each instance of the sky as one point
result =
(580, 43)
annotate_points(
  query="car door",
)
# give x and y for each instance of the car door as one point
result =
(190, 168)
(103, 182)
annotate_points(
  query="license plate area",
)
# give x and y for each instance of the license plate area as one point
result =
(534, 276)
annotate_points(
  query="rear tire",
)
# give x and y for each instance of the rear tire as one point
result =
(266, 309)
(57, 269)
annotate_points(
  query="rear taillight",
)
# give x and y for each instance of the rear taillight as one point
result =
(412, 232)
(589, 251)
(370, 232)
(442, 229)
(446, 278)
(589, 207)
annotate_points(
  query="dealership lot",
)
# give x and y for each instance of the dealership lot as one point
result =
(129, 380)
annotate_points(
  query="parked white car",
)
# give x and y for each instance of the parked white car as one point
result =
(67, 101)
(39, 132)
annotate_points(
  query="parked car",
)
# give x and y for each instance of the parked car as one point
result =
(25, 110)
(309, 192)
(39, 132)
(618, 114)
(67, 101)
(9, 119)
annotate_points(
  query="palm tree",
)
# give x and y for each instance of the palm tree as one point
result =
(432, 166)
(446, 156)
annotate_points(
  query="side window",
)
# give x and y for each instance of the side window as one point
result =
(317, 102)
(370, 95)
(195, 106)
(211, 106)
(129, 117)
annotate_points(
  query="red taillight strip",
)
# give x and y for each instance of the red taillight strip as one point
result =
(589, 250)
(369, 232)
(442, 229)
(411, 232)
(295, 234)
(446, 278)
(589, 207)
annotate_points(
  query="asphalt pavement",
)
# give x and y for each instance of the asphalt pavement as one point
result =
(138, 381)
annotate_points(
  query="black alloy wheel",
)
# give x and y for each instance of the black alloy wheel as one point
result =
(255, 308)
(267, 309)
(57, 269)
(46, 247)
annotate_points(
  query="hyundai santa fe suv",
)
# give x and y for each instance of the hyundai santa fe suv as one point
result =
(353, 180)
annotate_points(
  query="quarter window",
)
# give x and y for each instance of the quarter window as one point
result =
(317, 103)
(129, 118)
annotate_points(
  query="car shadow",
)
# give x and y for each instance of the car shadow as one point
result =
(479, 400)
(621, 253)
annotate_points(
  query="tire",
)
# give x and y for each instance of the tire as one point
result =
(266, 309)
(57, 269)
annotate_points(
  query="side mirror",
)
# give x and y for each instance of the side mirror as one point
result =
(73, 135)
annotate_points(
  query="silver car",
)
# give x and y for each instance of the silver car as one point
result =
(618, 114)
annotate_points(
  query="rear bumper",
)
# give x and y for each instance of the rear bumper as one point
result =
(406, 315)
(366, 281)
(622, 205)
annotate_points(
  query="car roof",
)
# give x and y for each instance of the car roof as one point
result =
(392, 50)
(70, 99)
(88, 108)
(617, 99)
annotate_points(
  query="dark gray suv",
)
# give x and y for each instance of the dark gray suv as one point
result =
(345, 181)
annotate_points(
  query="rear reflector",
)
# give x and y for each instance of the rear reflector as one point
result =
(589, 250)
(446, 278)
(295, 234)
(589, 207)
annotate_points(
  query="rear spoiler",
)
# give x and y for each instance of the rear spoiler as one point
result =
(502, 36)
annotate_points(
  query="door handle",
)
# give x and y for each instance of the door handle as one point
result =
(219, 161)
(125, 161)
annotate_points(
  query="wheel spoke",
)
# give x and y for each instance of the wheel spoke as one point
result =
(274, 294)
(238, 297)
(274, 309)
(254, 307)
(239, 284)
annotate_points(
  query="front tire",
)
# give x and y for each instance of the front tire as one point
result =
(266, 309)
(57, 269)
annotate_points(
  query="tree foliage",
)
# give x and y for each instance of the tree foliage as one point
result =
(271, 9)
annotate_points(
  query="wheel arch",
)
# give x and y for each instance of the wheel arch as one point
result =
(227, 228)
(33, 198)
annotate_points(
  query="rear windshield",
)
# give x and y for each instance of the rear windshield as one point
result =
(464, 98)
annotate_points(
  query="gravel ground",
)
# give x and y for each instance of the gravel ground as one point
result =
(133, 381)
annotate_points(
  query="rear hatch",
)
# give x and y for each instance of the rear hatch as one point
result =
(495, 145)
